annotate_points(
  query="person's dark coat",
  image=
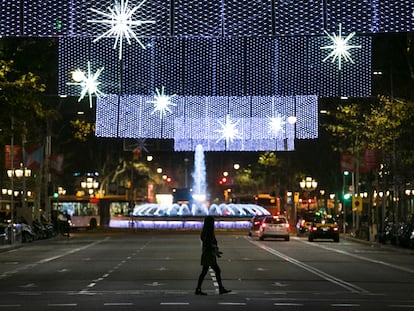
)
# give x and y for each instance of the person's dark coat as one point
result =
(210, 250)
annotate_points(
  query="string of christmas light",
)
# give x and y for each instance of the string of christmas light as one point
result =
(207, 120)
(225, 18)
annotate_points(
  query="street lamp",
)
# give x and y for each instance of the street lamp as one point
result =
(90, 184)
(308, 185)
(21, 173)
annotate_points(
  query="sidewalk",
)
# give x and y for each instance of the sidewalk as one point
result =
(7, 247)
(376, 244)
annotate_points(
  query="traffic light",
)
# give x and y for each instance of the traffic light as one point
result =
(223, 181)
(357, 203)
(347, 196)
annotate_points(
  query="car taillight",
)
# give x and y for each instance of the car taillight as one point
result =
(314, 228)
(335, 229)
(256, 223)
(287, 226)
(264, 226)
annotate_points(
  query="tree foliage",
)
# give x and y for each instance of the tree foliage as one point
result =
(384, 124)
(83, 129)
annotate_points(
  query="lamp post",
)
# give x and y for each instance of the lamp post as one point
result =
(21, 173)
(308, 185)
(90, 184)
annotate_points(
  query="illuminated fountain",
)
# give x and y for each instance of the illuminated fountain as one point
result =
(199, 206)
(178, 216)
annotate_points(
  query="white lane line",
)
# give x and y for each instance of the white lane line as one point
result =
(232, 303)
(347, 305)
(401, 306)
(72, 251)
(174, 303)
(330, 278)
(115, 268)
(62, 304)
(379, 262)
(46, 260)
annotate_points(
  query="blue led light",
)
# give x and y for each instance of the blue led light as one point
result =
(214, 18)
(198, 119)
(220, 66)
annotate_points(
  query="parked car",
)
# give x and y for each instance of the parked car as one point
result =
(274, 226)
(324, 227)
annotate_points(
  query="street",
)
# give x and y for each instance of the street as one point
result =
(159, 271)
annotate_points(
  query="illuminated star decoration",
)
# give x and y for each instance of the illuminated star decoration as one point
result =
(228, 131)
(340, 48)
(162, 102)
(141, 144)
(89, 82)
(119, 19)
(276, 125)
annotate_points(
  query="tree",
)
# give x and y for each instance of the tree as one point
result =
(245, 182)
(267, 172)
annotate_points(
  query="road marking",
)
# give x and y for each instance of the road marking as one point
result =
(46, 260)
(278, 284)
(379, 262)
(10, 306)
(107, 274)
(232, 303)
(345, 305)
(30, 285)
(154, 284)
(330, 278)
(401, 306)
(62, 304)
(174, 303)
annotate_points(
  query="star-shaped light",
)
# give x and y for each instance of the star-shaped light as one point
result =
(276, 125)
(228, 131)
(119, 19)
(89, 82)
(162, 102)
(340, 48)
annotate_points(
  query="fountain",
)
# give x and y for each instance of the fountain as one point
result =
(229, 216)
(199, 206)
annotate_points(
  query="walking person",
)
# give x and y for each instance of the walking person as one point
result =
(210, 252)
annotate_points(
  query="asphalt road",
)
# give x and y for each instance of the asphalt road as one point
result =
(159, 270)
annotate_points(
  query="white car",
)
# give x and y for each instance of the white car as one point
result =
(274, 226)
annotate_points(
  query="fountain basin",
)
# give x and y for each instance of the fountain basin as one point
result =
(175, 216)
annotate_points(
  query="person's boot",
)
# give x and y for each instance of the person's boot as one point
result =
(199, 292)
(222, 291)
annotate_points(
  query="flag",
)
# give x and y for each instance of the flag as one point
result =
(56, 163)
(371, 160)
(17, 156)
(347, 162)
(34, 157)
